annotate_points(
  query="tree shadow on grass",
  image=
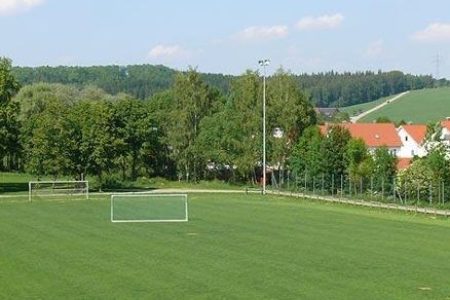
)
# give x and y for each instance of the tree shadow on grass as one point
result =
(9, 187)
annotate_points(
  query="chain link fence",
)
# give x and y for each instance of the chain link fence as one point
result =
(432, 194)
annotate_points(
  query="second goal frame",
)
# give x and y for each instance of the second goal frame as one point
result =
(114, 197)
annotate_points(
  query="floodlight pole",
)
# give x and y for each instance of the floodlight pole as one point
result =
(264, 63)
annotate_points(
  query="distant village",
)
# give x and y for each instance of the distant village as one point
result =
(404, 141)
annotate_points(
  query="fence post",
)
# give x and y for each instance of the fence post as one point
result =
(443, 192)
(431, 194)
(406, 193)
(418, 194)
(332, 185)
(393, 190)
(382, 189)
(342, 185)
(371, 188)
(288, 179)
(314, 185)
(323, 184)
(360, 186)
(304, 191)
(349, 187)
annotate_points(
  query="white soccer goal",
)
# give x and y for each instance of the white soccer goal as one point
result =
(62, 188)
(149, 207)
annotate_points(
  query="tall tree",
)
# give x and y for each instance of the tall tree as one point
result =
(289, 113)
(334, 148)
(385, 167)
(307, 155)
(9, 124)
(192, 102)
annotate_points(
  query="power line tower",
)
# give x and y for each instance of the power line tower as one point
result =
(437, 61)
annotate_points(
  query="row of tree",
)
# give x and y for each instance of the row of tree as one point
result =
(337, 154)
(190, 131)
(143, 81)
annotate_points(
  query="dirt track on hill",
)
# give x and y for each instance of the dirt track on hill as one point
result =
(390, 100)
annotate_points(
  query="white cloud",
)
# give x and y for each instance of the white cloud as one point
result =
(321, 22)
(9, 7)
(375, 49)
(167, 52)
(262, 32)
(435, 32)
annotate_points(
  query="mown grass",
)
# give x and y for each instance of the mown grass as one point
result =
(357, 109)
(233, 247)
(421, 106)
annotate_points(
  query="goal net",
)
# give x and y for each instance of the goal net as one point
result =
(61, 189)
(149, 208)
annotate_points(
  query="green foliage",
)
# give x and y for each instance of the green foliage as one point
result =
(192, 101)
(143, 81)
(383, 119)
(438, 163)
(289, 111)
(415, 180)
(8, 83)
(385, 166)
(334, 89)
(360, 163)
(334, 148)
(307, 153)
(9, 124)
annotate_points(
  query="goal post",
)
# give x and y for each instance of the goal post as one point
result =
(62, 188)
(149, 207)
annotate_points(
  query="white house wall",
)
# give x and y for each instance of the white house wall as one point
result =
(410, 147)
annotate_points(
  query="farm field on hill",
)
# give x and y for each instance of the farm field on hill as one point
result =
(357, 109)
(233, 247)
(421, 106)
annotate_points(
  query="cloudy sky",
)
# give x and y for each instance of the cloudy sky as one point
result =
(230, 36)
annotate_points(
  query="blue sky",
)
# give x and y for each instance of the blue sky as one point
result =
(230, 36)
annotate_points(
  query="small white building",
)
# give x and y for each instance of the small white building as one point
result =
(445, 132)
(413, 140)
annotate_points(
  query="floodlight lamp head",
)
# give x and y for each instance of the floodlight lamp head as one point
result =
(264, 62)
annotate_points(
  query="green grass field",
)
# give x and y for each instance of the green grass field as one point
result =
(421, 106)
(357, 109)
(235, 246)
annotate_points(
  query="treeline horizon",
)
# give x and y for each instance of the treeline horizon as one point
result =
(324, 89)
(190, 132)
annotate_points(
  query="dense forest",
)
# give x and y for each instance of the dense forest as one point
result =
(330, 89)
(344, 89)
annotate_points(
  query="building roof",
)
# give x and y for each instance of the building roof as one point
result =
(373, 134)
(323, 129)
(327, 111)
(403, 163)
(417, 132)
(445, 124)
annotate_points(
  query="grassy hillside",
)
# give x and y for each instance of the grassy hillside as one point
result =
(421, 106)
(233, 247)
(357, 109)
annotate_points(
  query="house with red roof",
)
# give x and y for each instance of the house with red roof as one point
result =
(375, 135)
(413, 140)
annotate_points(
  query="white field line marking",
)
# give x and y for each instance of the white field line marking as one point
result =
(391, 206)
